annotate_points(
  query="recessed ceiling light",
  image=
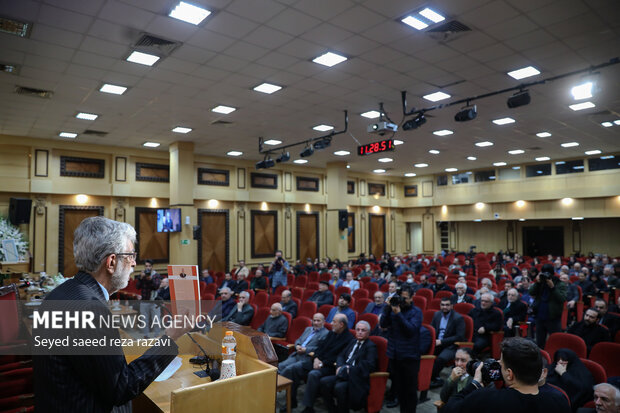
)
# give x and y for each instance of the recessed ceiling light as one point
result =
(385, 160)
(86, 116)
(371, 114)
(410, 174)
(189, 13)
(223, 109)
(421, 165)
(143, 58)
(67, 135)
(607, 157)
(379, 171)
(593, 152)
(113, 89)
(516, 152)
(181, 129)
(151, 144)
(348, 166)
(483, 144)
(542, 158)
(415, 23)
(451, 169)
(471, 158)
(437, 96)
(443, 132)
(569, 144)
(504, 121)
(582, 106)
(524, 72)
(329, 59)
(267, 88)
(617, 122)
(607, 124)
(272, 142)
(543, 134)
(300, 161)
(577, 218)
(477, 220)
(342, 153)
(521, 219)
(516, 168)
(322, 128)
(434, 151)
(432, 15)
(499, 164)
(234, 153)
(583, 91)
(398, 142)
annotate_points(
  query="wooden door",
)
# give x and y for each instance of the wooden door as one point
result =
(307, 236)
(151, 244)
(70, 218)
(377, 235)
(264, 235)
(214, 238)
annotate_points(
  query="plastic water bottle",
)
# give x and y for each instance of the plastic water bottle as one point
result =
(229, 346)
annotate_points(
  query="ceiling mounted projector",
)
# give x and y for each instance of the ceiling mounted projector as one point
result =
(381, 127)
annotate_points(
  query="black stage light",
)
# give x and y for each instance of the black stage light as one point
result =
(467, 113)
(519, 99)
(265, 163)
(308, 151)
(415, 123)
(284, 157)
(322, 144)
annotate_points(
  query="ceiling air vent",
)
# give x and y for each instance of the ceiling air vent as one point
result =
(93, 132)
(39, 93)
(534, 148)
(448, 31)
(15, 27)
(155, 45)
(221, 122)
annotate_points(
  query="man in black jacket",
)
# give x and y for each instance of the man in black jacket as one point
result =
(611, 321)
(288, 304)
(351, 383)
(589, 330)
(486, 320)
(323, 295)
(450, 328)
(323, 362)
(514, 310)
(243, 312)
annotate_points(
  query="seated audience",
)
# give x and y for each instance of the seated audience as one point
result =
(350, 282)
(351, 382)
(205, 276)
(486, 320)
(424, 282)
(440, 284)
(611, 321)
(242, 271)
(461, 294)
(458, 378)
(376, 307)
(276, 325)
(498, 272)
(241, 284)
(586, 286)
(228, 282)
(258, 282)
(589, 329)
(323, 295)
(572, 293)
(288, 304)
(335, 280)
(598, 284)
(502, 294)
(488, 284)
(228, 303)
(571, 375)
(515, 311)
(343, 308)
(450, 328)
(243, 312)
(606, 399)
(392, 291)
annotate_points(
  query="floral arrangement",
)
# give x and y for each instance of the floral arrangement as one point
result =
(8, 231)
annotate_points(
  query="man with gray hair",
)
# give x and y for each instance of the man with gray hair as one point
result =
(101, 381)
(486, 320)
(288, 304)
(243, 312)
(276, 325)
(461, 294)
(606, 399)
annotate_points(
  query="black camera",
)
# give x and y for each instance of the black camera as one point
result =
(491, 370)
(396, 301)
(544, 276)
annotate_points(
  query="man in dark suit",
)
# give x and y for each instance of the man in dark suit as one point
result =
(450, 328)
(228, 282)
(515, 311)
(243, 312)
(486, 320)
(323, 295)
(288, 304)
(440, 284)
(351, 383)
(87, 379)
(611, 321)
(323, 361)
(590, 330)
(461, 294)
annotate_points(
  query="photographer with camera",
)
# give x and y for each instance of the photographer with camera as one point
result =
(403, 320)
(277, 271)
(520, 367)
(549, 294)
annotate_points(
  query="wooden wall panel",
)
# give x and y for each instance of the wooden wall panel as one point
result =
(264, 233)
(307, 236)
(428, 233)
(377, 234)
(70, 218)
(214, 240)
(151, 244)
(351, 232)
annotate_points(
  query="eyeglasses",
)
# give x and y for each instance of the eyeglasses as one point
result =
(133, 255)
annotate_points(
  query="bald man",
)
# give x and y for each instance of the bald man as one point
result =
(276, 324)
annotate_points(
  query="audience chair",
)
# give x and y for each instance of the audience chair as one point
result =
(301, 281)
(546, 356)
(290, 279)
(419, 302)
(435, 304)
(341, 290)
(274, 298)
(361, 304)
(463, 308)
(297, 292)
(442, 294)
(426, 293)
(307, 309)
(608, 356)
(280, 289)
(211, 289)
(564, 340)
(378, 379)
(261, 299)
(371, 319)
(313, 277)
(259, 318)
(426, 362)
(597, 371)
(371, 287)
(312, 286)
(307, 294)
(325, 309)
(10, 321)
(360, 293)
(295, 330)
(469, 333)
(428, 315)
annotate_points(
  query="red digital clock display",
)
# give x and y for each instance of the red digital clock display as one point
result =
(376, 147)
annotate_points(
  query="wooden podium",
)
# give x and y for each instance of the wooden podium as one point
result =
(252, 390)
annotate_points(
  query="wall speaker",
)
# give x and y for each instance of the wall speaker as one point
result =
(197, 232)
(19, 210)
(343, 219)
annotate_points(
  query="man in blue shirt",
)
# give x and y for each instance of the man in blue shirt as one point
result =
(343, 308)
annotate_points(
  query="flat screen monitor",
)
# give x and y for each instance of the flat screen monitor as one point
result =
(169, 220)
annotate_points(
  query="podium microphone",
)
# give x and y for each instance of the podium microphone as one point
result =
(214, 372)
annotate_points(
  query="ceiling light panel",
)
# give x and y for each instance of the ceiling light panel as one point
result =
(68, 135)
(484, 144)
(543, 134)
(432, 15)
(234, 153)
(593, 152)
(499, 164)
(451, 169)
(582, 106)
(189, 13)
(542, 158)
(151, 144)
(398, 142)
(223, 109)
(300, 161)
(267, 88)
(272, 142)
(181, 129)
(471, 158)
(421, 165)
(443, 132)
(504, 121)
(342, 153)
(143, 58)
(434, 151)
(607, 124)
(329, 59)
(583, 91)
(113, 89)
(524, 72)
(437, 96)
(86, 116)
(410, 174)
(379, 171)
(371, 114)
(569, 144)
(323, 128)
(516, 152)
(385, 160)
(415, 23)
